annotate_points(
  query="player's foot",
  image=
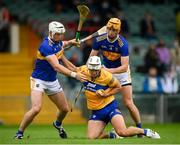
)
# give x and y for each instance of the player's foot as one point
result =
(113, 134)
(61, 130)
(18, 136)
(151, 134)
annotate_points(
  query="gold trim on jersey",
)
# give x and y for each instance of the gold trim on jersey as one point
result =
(120, 42)
(111, 55)
(100, 38)
(59, 54)
(39, 56)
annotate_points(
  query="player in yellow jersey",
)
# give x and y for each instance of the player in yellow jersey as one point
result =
(99, 90)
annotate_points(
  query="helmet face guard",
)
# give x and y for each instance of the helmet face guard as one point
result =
(56, 27)
(94, 63)
(114, 23)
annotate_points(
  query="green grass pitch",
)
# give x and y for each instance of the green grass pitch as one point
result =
(46, 134)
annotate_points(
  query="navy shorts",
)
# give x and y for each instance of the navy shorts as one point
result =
(106, 114)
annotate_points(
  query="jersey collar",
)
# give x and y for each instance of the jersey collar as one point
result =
(50, 39)
(113, 40)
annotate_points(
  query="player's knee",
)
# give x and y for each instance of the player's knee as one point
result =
(36, 109)
(91, 136)
(128, 103)
(65, 109)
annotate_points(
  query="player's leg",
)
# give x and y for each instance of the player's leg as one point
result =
(126, 93)
(118, 123)
(60, 101)
(95, 129)
(36, 100)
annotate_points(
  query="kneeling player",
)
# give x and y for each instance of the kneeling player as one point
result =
(99, 90)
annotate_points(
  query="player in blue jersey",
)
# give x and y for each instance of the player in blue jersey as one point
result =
(114, 49)
(99, 89)
(43, 78)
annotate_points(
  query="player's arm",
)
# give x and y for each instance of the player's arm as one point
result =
(122, 68)
(94, 52)
(68, 64)
(114, 88)
(95, 48)
(52, 59)
(71, 42)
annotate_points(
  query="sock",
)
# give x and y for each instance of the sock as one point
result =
(112, 135)
(20, 132)
(57, 123)
(145, 131)
(139, 125)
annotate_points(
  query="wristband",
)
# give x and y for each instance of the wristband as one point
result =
(73, 74)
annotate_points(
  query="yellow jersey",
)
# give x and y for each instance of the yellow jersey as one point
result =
(104, 81)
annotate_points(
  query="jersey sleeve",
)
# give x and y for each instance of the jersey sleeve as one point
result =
(124, 49)
(110, 79)
(46, 50)
(96, 45)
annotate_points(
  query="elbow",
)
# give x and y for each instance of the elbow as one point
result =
(56, 68)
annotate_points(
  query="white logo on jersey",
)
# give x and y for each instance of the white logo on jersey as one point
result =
(94, 116)
(103, 46)
(91, 85)
(111, 47)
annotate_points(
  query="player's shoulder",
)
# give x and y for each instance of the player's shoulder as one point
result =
(101, 38)
(46, 45)
(82, 69)
(106, 74)
(47, 42)
(122, 41)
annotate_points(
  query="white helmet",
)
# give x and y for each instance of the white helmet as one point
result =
(56, 27)
(94, 63)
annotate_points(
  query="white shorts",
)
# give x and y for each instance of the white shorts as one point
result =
(124, 78)
(49, 88)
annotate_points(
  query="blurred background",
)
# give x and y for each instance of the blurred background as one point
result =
(152, 29)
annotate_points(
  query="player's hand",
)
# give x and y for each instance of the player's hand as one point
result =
(75, 43)
(100, 93)
(81, 77)
(78, 69)
(107, 69)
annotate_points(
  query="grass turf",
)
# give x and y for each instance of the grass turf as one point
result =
(46, 134)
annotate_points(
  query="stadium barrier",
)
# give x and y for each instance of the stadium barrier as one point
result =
(159, 108)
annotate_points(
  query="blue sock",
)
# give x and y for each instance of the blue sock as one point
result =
(139, 125)
(58, 123)
(112, 135)
(145, 131)
(20, 132)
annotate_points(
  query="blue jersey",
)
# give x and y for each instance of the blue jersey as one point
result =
(43, 70)
(111, 51)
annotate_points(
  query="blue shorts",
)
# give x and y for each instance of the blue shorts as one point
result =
(106, 114)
